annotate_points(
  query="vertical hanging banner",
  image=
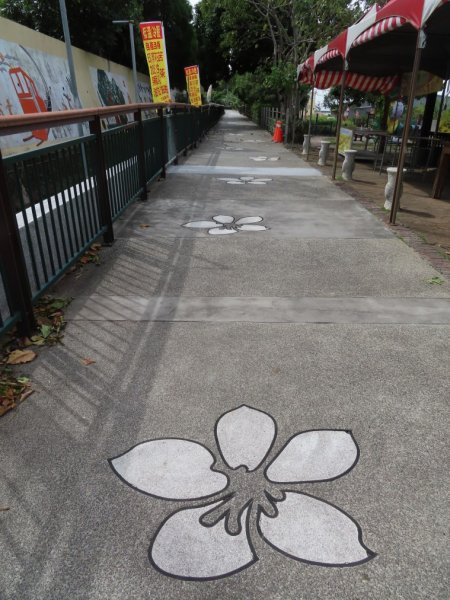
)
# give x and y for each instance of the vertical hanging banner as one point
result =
(193, 85)
(152, 33)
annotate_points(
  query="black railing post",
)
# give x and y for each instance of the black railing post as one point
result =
(17, 284)
(164, 155)
(193, 117)
(95, 127)
(141, 153)
(186, 130)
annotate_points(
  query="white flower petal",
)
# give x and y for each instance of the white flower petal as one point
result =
(221, 231)
(257, 182)
(252, 227)
(246, 178)
(185, 548)
(201, 224)
(244, 220)
(275, 158)
(170, 468)
(313, 531)
(223, 219)
(235, 182)
(245, 436)
(314, 456)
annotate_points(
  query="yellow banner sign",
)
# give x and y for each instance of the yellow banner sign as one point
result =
(193, 85)
(152, 34)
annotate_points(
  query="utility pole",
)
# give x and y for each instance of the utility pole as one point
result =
(73, 78)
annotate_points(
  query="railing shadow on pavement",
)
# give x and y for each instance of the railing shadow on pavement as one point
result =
(56, 201)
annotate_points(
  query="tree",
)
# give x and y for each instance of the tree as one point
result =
(214, 64)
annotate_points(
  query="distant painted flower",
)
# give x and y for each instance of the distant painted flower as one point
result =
(212, 539)
(263, 158)
(245, 180)
(230, 148)
(224, 224)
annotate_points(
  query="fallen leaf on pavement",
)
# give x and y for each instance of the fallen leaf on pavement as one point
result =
(18, 357)
(3, 508)
(25, 395)
(144, 226)
(5, 406)
(88, 361)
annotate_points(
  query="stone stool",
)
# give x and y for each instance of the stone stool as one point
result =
(348, 166)
(323, 154)
(306, 143)
(390, 187)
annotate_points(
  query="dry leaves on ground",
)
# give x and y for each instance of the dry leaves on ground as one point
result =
(13, 390)
(88, 361)
(19, 357)
(16, 351)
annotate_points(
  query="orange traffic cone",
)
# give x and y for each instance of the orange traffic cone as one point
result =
(278, 133)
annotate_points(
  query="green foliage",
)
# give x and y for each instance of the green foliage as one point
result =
(209, 31)
(444, 125)
(225, 96)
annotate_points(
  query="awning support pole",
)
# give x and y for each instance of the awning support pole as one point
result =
(339, 121)
(420, 44)
(441, 106)
(310, 116)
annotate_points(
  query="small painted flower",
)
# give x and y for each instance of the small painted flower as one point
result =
(213, 539)
(224, 225)
(245, 180)
(263, 158)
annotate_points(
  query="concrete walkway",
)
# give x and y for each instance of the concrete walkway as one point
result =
(314, 317)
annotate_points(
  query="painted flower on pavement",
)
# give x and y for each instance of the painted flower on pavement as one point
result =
(225, 224)
(263, 158)
(212, 539)
(245, 180)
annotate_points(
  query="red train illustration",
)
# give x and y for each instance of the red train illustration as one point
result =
(29, 99)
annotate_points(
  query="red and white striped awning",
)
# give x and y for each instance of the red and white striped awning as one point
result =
(329, 55)
(382, 27)
(364, 83)
(376, 23)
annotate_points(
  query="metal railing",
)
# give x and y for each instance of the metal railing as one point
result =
(56, 201)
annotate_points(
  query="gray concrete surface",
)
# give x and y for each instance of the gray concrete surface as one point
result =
(378, 366)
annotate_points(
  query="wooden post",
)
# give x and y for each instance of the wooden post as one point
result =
(310, 117)
(441, 106)
(420, 44)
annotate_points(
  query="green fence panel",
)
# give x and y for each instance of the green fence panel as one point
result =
(55, 197)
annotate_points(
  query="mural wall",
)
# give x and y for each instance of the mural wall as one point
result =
(34, 78)
(33, 82)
